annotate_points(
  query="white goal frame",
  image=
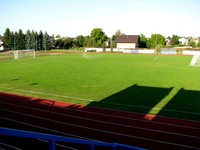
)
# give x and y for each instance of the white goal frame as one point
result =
(195, 60)
(23, 53)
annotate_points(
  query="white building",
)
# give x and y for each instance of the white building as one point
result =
(184, 41)
(1, 45)
(127, 41)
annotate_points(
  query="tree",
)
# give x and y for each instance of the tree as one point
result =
(33, 40)
(88, 41)
(40, 41)
(46, 41)
(20, 40)
(156, 40)
(113, 43)
(174, 40)
(143, 41)
(7, 39)
(79, 42)
(192, 43)
(28, 39)
(117, 33)
(36, 41)
(63, 43)
(68, 42)
(98, 36)
(13, 40)
(59, 43)
(57, 36)
(198, 44)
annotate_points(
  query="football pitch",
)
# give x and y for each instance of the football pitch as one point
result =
(149, 84)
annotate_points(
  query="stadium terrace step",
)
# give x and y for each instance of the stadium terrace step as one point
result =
(98, 124)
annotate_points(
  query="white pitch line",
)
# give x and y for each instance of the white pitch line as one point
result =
(155, 58)
(55, 95)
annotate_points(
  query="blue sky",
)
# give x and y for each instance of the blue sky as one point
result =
(79, 17)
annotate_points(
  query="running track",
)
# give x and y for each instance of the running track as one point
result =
(112, 126)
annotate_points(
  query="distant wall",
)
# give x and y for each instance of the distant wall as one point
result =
(168, 51)
(145, 51)
(150, 51)
(190, 52)
(101, 50)
(138, 51)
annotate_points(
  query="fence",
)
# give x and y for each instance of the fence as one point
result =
(168, 51)
(101, 49)
(52, 139)
(190, 52)
(135, 51)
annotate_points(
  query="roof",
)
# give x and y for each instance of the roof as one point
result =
(127, 39)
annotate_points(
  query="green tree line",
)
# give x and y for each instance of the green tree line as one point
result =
(42, 41)
(29, 40)
(97, 38)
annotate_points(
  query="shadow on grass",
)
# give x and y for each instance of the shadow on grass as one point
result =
(134, 98)
(185, 104)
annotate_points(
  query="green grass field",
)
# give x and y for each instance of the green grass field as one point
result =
(156, 84)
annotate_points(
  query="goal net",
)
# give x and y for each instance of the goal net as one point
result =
(195, 60)
(23, 53)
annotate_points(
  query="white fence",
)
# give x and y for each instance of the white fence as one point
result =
(145, 51)
(136, 51)
(101, 50)
(190, 52)
(168, 51)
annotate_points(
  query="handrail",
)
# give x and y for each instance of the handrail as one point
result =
(55, 138)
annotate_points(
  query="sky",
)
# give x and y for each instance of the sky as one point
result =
(70, 18)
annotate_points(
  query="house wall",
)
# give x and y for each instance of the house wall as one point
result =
(126, 45)
(184, 41)
(1, 46)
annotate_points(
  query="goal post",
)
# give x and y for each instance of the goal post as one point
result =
(15, 53)
(195, 60)
(23, 53)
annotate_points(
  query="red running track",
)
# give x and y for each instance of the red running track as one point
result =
(85, 122)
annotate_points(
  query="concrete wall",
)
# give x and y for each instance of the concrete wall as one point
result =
(189, 52)
(101, 50)
(135, 51)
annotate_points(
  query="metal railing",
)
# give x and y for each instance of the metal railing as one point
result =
(52, 139)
